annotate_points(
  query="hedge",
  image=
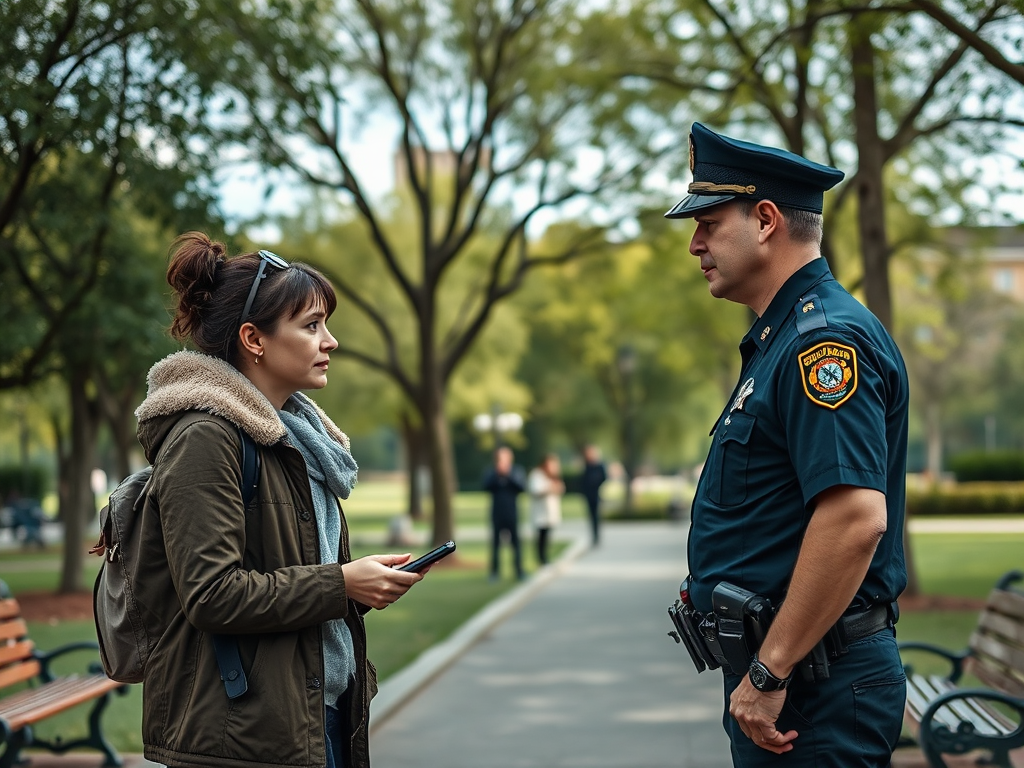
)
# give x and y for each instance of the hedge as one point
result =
(968, 499)
(980, 466)
(32, 481)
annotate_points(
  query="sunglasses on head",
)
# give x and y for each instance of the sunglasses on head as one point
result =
(266, 257)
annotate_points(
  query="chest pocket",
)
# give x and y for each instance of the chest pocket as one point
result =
(728, 484)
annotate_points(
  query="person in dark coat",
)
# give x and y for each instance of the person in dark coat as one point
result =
(594, 475)
(504, 482)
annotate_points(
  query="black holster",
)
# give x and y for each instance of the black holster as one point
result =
(687, 623)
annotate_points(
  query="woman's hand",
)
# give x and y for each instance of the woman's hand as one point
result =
(373, 580)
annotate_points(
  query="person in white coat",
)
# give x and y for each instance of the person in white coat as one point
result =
(546, 488)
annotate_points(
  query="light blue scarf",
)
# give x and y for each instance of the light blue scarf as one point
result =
(332, 473)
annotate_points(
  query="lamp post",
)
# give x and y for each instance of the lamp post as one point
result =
(626, 361)
(498, 424)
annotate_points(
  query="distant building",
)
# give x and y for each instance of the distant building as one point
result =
(443, 163)
(1002, 251)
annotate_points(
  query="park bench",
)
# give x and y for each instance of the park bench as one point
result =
(946, 719)
(47, 694)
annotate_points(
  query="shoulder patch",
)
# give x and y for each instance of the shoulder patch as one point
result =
(829, 373)
(810, 314)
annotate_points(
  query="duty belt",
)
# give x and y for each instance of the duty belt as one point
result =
(729, 636)
(857, 626)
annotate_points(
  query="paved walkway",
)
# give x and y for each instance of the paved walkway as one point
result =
(583, 675)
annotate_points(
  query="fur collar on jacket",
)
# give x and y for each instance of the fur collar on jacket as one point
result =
(192, 381)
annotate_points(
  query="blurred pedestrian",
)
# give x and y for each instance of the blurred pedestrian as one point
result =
(546, 490)
(28, 516)
(594, 475)
(504, 481)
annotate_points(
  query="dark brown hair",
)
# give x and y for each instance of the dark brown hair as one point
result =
(212, 290)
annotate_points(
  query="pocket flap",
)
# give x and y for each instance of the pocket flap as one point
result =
(739, 428)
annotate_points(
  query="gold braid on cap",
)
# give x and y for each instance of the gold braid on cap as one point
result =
(707, 186)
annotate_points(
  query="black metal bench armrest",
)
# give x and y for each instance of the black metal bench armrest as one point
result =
(45, 657)
(936, 741)
(978, 693)
(955, 658)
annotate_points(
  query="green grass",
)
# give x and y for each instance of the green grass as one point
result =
(965, 565)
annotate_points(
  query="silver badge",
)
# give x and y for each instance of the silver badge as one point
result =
(737, 404)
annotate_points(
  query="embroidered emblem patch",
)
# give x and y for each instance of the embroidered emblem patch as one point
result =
(829, 373)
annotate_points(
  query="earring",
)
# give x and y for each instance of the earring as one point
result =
(258, 357)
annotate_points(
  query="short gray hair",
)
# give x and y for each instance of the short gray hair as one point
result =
(803, 226)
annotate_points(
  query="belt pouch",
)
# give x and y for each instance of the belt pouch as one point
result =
(734, 644)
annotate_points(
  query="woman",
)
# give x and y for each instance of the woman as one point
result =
(276, 576)
(545, 487)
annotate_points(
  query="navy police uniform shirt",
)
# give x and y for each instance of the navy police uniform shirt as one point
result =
(821, 401)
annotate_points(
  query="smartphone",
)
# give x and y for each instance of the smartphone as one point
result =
(428, 559)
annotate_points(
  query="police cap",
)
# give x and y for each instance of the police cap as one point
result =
(727, 169)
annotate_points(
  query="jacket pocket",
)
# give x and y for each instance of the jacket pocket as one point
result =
(728, 485)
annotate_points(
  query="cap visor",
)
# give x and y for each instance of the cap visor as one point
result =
(693, 204)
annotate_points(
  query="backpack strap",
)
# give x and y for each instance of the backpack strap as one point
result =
(226, 646)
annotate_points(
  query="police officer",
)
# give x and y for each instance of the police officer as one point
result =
(801, 498)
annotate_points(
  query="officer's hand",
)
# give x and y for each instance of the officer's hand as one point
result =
(373, 580)
(756, 712)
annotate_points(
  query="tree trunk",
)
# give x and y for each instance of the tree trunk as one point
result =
(77, 504)
(874, 241)
(870, 188)
(437, 439)
(439, 447)
(412, 437)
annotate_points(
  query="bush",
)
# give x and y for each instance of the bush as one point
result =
(968, 499)
(995, 466)
(31, 482)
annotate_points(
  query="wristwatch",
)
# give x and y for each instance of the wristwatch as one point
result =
(762, 678)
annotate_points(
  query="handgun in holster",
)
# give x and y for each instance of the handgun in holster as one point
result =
(743, 621)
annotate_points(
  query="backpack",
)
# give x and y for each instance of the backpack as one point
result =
(124, 640)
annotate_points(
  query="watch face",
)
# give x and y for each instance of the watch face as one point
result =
(757, 676)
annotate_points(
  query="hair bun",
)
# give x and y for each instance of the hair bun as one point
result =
(192, 274)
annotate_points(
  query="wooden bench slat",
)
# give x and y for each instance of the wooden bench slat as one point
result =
(37, 704)
(990, 651)
(1006, 627)
(19, 673)
(16, 651)
(40, 700)
(972, 711)
(922, 691)
(9, 608)
(13, 629)
(1010, 603)
(1000, 680)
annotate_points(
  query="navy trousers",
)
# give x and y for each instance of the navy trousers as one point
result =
(851, 720)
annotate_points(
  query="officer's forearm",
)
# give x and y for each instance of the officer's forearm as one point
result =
(840, 541)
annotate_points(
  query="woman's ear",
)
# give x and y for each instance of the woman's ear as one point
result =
(251, 339)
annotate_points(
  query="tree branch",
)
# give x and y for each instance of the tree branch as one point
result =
(991, 54)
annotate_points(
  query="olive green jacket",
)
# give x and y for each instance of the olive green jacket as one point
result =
(218, 568)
